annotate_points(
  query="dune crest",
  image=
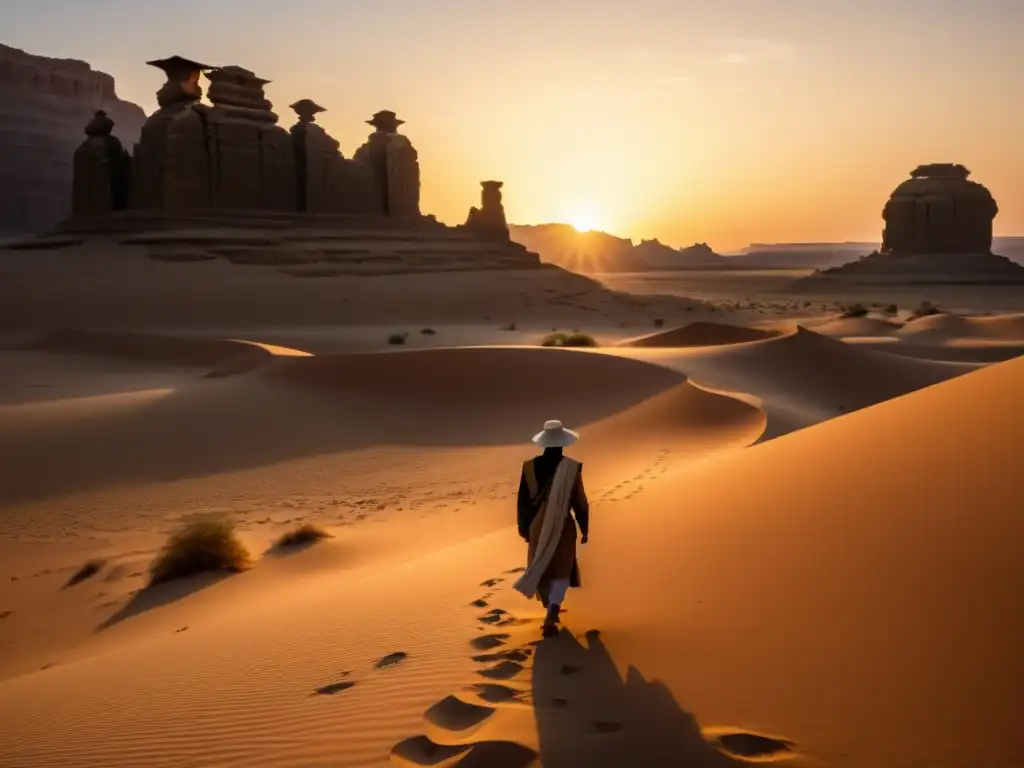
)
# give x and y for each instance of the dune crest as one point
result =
(701, 334)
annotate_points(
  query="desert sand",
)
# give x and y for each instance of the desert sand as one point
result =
(805, 548)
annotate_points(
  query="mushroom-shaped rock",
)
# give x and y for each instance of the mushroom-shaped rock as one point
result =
(939, 210)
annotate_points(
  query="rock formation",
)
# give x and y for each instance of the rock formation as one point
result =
(394, 163)
(938, 210)
(172, 166)
(938, 229)
(489, 219)
(44, 102)
(325, 181)
(101, 170)
(254, 158)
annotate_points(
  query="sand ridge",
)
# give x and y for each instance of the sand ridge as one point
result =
(701, 334)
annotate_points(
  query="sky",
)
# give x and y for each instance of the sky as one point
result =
(719, 121)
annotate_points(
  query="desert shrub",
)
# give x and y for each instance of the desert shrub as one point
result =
(924, 309)
(574, 339)
(200, 547)
(891, 309)
(428, 331)
(87, 571)
(510, 327)
(659, 322)
(855, 310)
(307, 533)
(397, 338)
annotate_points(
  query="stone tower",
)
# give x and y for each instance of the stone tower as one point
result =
(938, 210)
(255, 161)
(489, 219)
(325, 181)
(172, 170)
(101, 170)
(394, 164)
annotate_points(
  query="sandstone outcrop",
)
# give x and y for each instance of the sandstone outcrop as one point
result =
(394, 163)
(489, 219)
(326, 182)
(44, 102)
(938, 230)
(938, 210)
(101, 170)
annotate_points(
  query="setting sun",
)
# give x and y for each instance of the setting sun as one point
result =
(583, 219)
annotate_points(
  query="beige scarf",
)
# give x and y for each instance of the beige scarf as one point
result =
(553, 512)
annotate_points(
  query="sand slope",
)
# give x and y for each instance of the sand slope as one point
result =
(700, 334)
(856, 326)
(803, 378)
(943, 327)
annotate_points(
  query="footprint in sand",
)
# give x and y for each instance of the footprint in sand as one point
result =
(5, 614)
(419, 750)
(486, 642)
(753, 745)
(391, 660)
(504, 670)
(491, 582)
(515, 570)
(332, 688)
(495, 693)
(453, 714)
(493, 616)
(480, 603)
(516, 654)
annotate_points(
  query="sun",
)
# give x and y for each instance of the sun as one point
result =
(583, 219)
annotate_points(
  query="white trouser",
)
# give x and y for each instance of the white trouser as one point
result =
(557, 590)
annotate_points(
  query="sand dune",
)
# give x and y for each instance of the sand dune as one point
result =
(701, 334)
(943, 327)
(844, 596)
(803, 378)
(221, 356)
(856, 326)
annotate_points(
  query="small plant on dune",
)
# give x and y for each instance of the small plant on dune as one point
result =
(305, 534)
(659, 322)
(892, 309)
(924, 309)
(397, 338)
(855, 310)
(574, 339)
(510, 327)
(200, 547)
(87, 571)
(428, 331)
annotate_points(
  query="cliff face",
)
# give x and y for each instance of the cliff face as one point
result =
(44, 106)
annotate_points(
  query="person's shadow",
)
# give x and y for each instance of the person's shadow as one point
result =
(587, 715)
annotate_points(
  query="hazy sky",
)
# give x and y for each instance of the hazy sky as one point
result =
(726, 121)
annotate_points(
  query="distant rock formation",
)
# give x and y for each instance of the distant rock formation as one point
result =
(696, 256)
(394, 163)
(938, 229)
(489, 219)
(44, 102)
(938, 210)
(582, 252)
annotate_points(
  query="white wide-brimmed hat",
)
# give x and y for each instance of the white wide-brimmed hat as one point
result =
(554, 435)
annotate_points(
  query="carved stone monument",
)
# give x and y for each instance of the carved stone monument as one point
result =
(938, 210)
(101, 170)
(489, 219)
(395, 167)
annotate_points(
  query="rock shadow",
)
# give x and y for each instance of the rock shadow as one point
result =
(596, 718)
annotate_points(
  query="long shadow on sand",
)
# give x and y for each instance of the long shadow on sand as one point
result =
(148, 598)
(588, 715)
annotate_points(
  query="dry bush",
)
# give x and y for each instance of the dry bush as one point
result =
(574, 339)
(428, 331)
(200, 547)
(397, 338)
(924, 309)
(855, 310)
(305, 534)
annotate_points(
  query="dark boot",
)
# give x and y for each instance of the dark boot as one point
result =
(550, 626)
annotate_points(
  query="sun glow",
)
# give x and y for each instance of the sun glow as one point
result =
(583, 219)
